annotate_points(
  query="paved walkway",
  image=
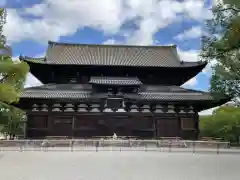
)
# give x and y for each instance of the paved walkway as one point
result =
(125, 165)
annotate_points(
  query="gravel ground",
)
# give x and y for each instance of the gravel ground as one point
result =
(115, 165)
(160, 149)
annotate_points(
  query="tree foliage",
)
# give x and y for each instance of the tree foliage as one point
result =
(224, 123)
(12, 78)
(12, 74)
(235, 3)
(221, 43)
(12, 122)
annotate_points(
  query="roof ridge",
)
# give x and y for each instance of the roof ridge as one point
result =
(35, 58)
(52, 43)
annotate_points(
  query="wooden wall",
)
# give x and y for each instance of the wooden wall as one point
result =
(89, 125)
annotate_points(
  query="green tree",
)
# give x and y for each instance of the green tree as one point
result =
(12, 78)
(224, 123)
(222, 44)
(12, 74)
(206, 126)
(13, 122)
(232, 2)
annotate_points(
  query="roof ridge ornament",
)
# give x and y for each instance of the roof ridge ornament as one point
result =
(21, 57)
(172, 45)
(51, 43)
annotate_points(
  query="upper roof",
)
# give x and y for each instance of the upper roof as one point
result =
(112, 55)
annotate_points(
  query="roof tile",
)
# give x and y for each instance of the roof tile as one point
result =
(115, 80)
(113, 55)
(78, 92)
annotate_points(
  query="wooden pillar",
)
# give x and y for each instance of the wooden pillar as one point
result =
(127, 126)
(25, 133)
(130, 125)
(196, 119)
(73, 126)
(50, 121)
(29, 115)
(179, 125)
(154, 126)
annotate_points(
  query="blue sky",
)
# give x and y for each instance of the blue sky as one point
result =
(31, 23)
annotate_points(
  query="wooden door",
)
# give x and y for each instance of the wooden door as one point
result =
(120, 125)
(167, 127)
(62, 126)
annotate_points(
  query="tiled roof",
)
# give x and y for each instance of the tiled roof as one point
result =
(113, 55)
(115, 80)
(166, 89)
(55, 95)
(175, 96)
(78, 92)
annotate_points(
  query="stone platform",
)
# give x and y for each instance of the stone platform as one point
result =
(109, 165)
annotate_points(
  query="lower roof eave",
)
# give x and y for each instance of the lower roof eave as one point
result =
(208, 104)
(36, 67)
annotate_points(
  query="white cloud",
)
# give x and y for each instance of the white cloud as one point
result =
(191, 83)
(193, 56)
(189, 56)
(208, 111)
(194, 32)
(31, 81)
(212, 110)
(55, 18)
(110, 41)
(209, 67)
(157, 16)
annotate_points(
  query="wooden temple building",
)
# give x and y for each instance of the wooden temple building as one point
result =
(98, 90)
